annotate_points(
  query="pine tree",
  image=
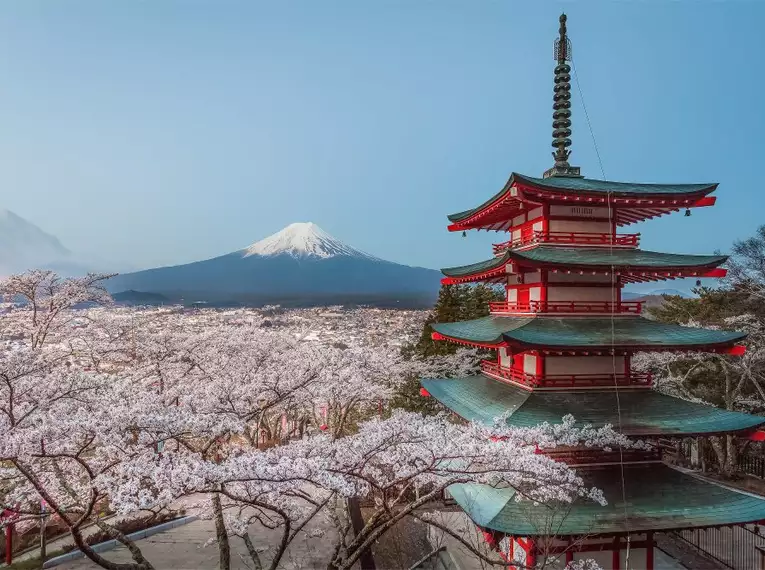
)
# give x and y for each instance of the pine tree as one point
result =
(455, 303)
(448, 309)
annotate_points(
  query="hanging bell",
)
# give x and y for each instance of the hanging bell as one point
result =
(464, 234)
(687, 212)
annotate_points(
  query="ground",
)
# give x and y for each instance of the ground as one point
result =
(184, 548)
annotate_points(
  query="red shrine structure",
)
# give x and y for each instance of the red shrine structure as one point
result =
(564, 341)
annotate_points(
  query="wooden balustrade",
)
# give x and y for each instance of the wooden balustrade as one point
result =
(569, 238)
(566, 380)
(575, 307)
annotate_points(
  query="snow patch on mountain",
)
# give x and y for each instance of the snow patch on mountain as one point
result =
(303, 239)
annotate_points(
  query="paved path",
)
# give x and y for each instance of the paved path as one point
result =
(183, 548)
(57, 543)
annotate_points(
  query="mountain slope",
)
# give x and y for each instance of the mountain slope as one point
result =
(299, 261)
(24, 246)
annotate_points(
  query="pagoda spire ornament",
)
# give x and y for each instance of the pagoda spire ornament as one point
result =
(562, 106)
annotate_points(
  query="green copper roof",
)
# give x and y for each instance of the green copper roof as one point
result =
(618, 257)
(582, 332)
(572, 184)
(590, 257)
(644, 412)
(475, 268)
(590, 186)
(657, 498)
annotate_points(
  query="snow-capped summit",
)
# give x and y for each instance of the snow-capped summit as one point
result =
(303, 239)
(302, 265)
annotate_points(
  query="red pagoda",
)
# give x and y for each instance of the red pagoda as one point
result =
(564, 341)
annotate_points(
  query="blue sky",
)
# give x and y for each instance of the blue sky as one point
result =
(150, 133)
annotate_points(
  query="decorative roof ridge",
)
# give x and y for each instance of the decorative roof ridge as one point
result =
(569, 184)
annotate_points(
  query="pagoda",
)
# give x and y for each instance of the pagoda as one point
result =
(564, 341)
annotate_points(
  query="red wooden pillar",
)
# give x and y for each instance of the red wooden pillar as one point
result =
(546, 219)
(615, 554)
(540, 365)
(649, 551)
(569, 552)
(543, 290)
(9, 544)
(531, 553)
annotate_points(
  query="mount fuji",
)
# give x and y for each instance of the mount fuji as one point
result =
(301, 265)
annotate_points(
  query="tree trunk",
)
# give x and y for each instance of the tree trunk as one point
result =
(703, 454)
(731, 464)
(253, 552)
(357, 521)
(719, 448)
(224, 548)
(120, 537)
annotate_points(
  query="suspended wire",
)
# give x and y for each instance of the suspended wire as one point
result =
(587, 117)
(614, 285)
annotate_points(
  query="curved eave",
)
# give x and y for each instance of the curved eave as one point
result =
(488, 269)
(644, 413)
(605, 259)
(584, 334)
(631, 190)
(719, 347)
(648, 200)
(493, 344)
(641, 498)
(466, 214)
(496, 268)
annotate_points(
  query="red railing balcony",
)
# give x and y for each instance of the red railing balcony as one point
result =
(565, 380)
(570, 307)
(570, 238)
(580, 457)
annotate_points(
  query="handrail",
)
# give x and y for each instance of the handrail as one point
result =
(579, 307)
(566, 380)
(580, 238)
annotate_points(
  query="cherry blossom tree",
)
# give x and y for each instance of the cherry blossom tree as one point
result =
(58, 422)
(398, 465)
(47, 299)
(132, 410)
(734, 383)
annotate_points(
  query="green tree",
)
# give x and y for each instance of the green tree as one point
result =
(455, 303)
(729, 382)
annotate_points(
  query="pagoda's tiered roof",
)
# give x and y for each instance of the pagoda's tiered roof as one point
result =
(640, 201)
(656, 497)
(643, 412)
(632, 263)
(579, 333)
